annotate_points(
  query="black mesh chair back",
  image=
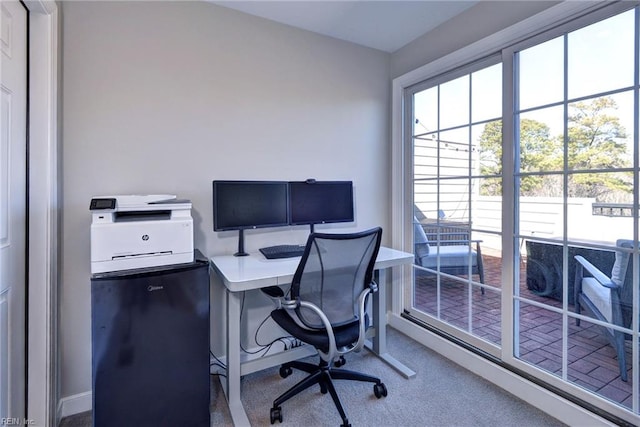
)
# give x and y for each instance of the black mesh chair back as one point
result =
(333, 272)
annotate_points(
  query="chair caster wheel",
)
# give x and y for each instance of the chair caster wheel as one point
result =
(285, 371)
(346, 423)
(380, 390)
(323, 389)
(276, 415)
(340, 362)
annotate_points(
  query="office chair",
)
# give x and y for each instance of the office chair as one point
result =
(326, 308)
(608, 298)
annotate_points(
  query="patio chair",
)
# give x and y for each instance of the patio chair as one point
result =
(608, 298)
(453, 246)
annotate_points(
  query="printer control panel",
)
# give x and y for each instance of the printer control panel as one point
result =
(102, 203)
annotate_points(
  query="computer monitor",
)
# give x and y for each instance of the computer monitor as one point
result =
(241, 205)
(320, 202)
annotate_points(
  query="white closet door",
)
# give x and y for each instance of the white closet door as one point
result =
(13, 143)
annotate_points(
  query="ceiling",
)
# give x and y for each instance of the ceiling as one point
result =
(383, 25)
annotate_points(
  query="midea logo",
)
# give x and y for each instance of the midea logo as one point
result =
(152, 288)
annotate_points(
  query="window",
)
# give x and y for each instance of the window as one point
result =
(456, 194)
(574, 174)
(520, 169)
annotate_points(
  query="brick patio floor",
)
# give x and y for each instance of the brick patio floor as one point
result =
(592, 362)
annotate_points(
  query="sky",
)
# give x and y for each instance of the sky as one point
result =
(600, 58)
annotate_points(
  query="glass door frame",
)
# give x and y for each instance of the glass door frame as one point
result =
(409, 95)
(555, 21)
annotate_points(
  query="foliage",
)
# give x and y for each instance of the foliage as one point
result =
(596, 142)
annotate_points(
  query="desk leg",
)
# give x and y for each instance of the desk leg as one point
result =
(238, 413)
(379, 346)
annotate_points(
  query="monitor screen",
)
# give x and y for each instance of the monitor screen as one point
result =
(239, 205)
(320, 202)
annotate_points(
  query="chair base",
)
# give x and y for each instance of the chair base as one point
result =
(322, 374)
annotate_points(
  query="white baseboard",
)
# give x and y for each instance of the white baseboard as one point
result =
(76, 404)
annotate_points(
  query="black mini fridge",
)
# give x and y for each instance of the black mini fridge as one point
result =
(150, 346)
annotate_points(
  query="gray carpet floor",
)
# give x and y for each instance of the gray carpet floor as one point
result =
(441, 394)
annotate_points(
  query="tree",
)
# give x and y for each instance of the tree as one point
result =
(535, 154)
(596, 141)
(491, 158)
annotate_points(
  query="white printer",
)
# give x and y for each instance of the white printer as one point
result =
(140, 231)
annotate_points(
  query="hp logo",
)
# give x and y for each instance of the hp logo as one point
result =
(145, 237)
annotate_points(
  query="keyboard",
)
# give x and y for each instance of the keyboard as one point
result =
(282, 251)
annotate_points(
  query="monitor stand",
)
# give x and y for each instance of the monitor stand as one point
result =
(241, 251)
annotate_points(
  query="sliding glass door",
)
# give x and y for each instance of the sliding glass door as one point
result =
(522, 186)
(456, 201)
(576, 179)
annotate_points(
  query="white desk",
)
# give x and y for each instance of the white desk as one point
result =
(254, 272)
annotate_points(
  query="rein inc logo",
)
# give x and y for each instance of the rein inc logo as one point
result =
(13, 421)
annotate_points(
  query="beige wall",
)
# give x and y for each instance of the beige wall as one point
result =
(164, 97)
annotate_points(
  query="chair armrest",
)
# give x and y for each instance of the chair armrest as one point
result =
(333, 349)
(602, 278)
(362, 302)
(293, 304)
